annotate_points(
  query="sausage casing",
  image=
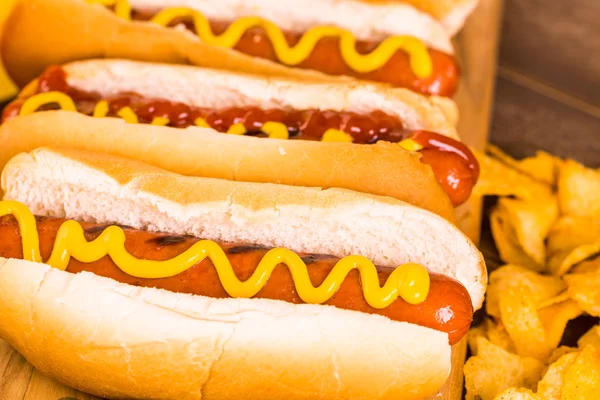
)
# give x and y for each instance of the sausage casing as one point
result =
(447, 308)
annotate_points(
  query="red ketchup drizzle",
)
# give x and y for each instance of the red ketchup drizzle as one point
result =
(454, 165)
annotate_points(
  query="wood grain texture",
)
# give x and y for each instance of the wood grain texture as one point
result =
(555, 42)
(526, 121)
(477, 47)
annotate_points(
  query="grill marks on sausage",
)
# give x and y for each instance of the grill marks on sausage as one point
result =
(313, 258)
(96, 230)
(246, 248)
(168, 240)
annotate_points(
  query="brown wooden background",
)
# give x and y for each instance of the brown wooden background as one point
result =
(548, 86)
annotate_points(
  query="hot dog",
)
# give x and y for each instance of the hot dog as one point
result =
(392, 43)
(276, 241)
(243, 104)
(202, 279)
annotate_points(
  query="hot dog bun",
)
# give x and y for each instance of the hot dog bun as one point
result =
(377, 20)
(381, 168)
(451, 13)
(48, 26)
(115, 340)
(203, 87)
(101, 188)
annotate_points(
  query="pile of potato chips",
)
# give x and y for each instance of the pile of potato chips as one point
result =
(546, 226)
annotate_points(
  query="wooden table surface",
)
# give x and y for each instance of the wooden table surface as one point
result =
(548, 87)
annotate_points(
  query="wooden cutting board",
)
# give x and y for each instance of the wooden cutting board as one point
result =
(477, 48)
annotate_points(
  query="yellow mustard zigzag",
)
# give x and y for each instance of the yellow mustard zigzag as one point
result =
(409, 281)
(420, 61)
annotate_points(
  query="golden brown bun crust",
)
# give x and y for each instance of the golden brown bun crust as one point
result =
(381, 169)
(115, 340)
(48, 28)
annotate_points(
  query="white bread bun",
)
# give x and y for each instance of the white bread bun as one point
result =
(39, 33)
(119, 341)
(382, 168)
(377, 20)
(457, 14)
(451, 13)
(106, 189)
(202, 87)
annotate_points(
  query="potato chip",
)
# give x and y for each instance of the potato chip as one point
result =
(564, 262)
(492, 331)
(475, 333)
(524, 326)
(540, 287)
(559, 352)
(538, 231)
(582, 379)
(559, 298)
(534, 332)
(497, 334)
(579, 190)
(554, 319)
(507, 243)
(571, 241)
(499, 179)
(551, 385)
(592, 265)
(520, 318)
(494, 370)
(517, 394)
(590, 338)
(543, 167)
(585, 289)
(520, 227)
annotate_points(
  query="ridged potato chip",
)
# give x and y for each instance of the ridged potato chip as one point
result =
(555, 319)
(543, 167)
(585, 289)
(520, 227)
(578, 190)
(519, 315)
(499, 179)
(571, 241)
(517, 394)
(494, 370)
(539, 287)
(591, 265)
(551, 385)
(582, 379)
(590, 338)
(558, 353)
(492, 331)
(535, 332)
